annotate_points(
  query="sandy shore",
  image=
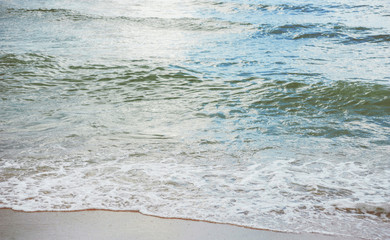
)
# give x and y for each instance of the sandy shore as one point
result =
(126, 225)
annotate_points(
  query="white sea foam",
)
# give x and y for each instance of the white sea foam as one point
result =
(292, 194)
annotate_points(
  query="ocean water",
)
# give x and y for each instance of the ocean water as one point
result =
(267, 114)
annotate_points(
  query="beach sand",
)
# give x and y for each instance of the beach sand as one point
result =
(101, 224)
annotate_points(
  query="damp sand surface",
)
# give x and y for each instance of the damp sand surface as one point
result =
(100, 224)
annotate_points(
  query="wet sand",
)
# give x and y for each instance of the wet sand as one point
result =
(98, 224)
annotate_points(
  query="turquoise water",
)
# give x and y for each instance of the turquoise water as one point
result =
(269, 114)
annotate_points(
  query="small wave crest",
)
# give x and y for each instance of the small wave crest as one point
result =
(280, 8)
(337, 32)
(54, 13)
(8, 60)
(379, 38)
(183, 23)
(303, 8)
(336, 97)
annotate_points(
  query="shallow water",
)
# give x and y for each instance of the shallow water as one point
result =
(269, 114)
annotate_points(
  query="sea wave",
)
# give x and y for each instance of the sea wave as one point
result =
(316, 103)
(233, 6)
(263, 114)
(333, 31)
(184, 23)
(292, 31)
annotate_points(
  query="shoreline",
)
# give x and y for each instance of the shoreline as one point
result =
(144, 214)
(126, 224)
